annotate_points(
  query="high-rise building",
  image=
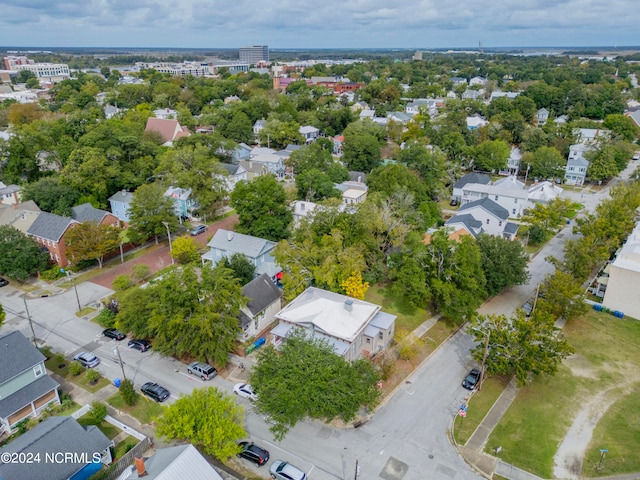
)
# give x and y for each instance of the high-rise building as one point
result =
(254, 55)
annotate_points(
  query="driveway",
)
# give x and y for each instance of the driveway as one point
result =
(158, 256)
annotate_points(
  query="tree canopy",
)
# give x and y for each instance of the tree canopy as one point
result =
(305, 378)
(148, 211)
(504, 263)
(91, 241)
(20, 256)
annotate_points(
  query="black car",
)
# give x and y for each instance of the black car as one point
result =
(253, 453)
(113, 333)
(454, 202)
(137, 344)
(155, 391)
(3, 282)
(471, 380)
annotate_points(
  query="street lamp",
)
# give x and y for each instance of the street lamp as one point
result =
(166, 224)
(73, 280)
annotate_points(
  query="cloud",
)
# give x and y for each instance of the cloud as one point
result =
(330, 23)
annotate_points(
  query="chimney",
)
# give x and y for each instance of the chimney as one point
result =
(229, 236)
(142, 472)
(124, 193)
(348, 305)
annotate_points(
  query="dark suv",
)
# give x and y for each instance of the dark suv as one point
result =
(137, 344)
(155, 391)
(470, 382)
(203, 370)
(253, 453)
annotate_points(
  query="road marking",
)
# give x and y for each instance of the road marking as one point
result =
(191, 377)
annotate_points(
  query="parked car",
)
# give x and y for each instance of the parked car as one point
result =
(203, 370)
(285, 471)
(197, 230)
(137, 344)
(3, 282)
(454, 202)
(244, 390)
(636, 156)
(87, 359)
(113, 333)
(155, 391)
(470, 382)
(253, 453)
(527, 307)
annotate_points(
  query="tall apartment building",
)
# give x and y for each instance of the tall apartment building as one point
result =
(254, 55)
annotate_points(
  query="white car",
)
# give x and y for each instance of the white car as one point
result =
(244, 390)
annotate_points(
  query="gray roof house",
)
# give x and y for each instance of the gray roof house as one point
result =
(258, 250)
(354, 328)
(119, 203)
(48, 230)
(57, 437)
(88, 213)
(479, 178)
(492, 216)
(264, 302)
(576, 170)
(25, 387)
(9, 194)
(183, 462)
(466, 222)
(235, 174)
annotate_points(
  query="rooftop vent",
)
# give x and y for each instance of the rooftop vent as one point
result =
(229, 236)
(348, 305)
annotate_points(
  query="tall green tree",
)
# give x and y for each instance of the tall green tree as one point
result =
(305, 378)
(519, 346)
(562, 296)
(362, 144)
(492, 155)
(314, 185)
(91, 241)
(241, 266)
(205, 417)
(546, 162)
(51, 196)
(504, 263)
(148, 211)
(20, 256)
(262, 208)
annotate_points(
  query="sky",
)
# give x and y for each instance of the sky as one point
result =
(419, 24)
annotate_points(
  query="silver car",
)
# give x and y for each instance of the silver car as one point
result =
(285, 471)
(86, 359)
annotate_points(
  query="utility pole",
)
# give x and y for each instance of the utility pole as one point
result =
(357, 473)
(30, 321)
(166, 224)
(116, 350)
(75, 288)
(484, 358)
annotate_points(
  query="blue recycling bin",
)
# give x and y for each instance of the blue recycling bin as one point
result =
(117, 382)
(597, 307)
(259, 342)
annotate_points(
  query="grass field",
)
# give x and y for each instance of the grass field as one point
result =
(606, 359)
(53, 364)
(409, 317)
(105, 427)
(146, 410)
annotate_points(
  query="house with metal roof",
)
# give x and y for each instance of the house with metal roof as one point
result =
(258, 250)
(309, 132)
(263, 304)
(182, 462)
(25, 387)
(48, 230)
(354, 328)
(66, 449)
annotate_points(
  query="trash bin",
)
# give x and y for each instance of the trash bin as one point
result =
(597, 307)
(117, 382)
(259, 342)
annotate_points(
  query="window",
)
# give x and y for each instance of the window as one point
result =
(368, 341)
(37, 370)
(496, 198)
(487, 221)
(381, 335)
(500, 223)
(513, 211)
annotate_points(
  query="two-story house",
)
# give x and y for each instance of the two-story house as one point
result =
(9, 194)
(309, 132)
(492, 216)
(48, 230)
(183, 203)
(88, 213)
(478, 178)
(25, 387)
(258, 250)
(576, 171)
(263, 304)
(257, 128)
(235, 173)
(353, 192)
(20, 216)
(55, 438)
(354, 328)
(507, 192)
(542, 116)
(119, 203)
(169, 130)
(267, 160)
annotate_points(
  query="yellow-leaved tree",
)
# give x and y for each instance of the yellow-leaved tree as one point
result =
(355, 287)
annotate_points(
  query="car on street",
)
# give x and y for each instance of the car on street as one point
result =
(87, 359)
(138, 344)
(203, 370)
(155, 391)
(3, 282)
(470, 382)
(527, 307)
(253, 453)
(244, 390)
(281, 470)
(636, 156)
(113, 333)
(197, 230)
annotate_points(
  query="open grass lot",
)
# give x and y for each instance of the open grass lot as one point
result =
(606, 360)
(477, 407)
(124, 446)
(53, 364)
(408, 317)
(146, 410)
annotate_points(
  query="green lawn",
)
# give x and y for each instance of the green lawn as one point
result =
(124, 446)
(408, 317)
(607, 355)
(54, 363)
(146, 410)
(105, 427)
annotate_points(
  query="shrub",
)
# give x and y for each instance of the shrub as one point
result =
(386, 364)
(60, 360)
(98, 410)
(106, 318)
(53, 273)
(46, 351)
(121, 282)
(75, 368)
(128, 392)
(92, 376)
(140, 272)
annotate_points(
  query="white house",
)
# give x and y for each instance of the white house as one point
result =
(310, 133)
(493, 217)
(475, 122)
(624, 278)
(576, 171)
(482, 81)
(543, 192)
(542, 116)
(263, 304)
(354, 328)
(426, 104)
(352, 192)
(513, 162)
(235, 173)
(271, 160)
(480, 178)
(507, 192)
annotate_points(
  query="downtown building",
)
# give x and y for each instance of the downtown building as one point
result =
(254, 55)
